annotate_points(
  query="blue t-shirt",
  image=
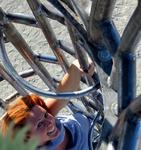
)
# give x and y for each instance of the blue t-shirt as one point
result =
(78, 125)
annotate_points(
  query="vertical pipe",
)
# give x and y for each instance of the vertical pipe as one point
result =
(101, 27)
(131, 136)
(127, 91)
(127, 78)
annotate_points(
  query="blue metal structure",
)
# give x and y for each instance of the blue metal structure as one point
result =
(102, 43)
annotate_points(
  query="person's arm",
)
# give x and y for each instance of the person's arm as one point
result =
(70, 82)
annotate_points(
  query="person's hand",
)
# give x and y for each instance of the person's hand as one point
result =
(91, 68)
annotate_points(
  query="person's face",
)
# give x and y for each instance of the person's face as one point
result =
(42, 125)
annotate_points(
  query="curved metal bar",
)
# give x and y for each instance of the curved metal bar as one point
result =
(17, 40)
(5, 75)
(24, 84)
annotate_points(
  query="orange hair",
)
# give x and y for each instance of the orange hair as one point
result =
(19, 111)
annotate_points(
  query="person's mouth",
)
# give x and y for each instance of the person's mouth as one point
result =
(53, 132)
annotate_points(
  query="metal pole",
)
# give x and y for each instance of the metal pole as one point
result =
(127, 78)
(44, 24)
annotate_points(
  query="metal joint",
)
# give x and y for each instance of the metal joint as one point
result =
(3, 18)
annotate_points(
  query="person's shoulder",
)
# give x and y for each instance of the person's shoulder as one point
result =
(77, 117)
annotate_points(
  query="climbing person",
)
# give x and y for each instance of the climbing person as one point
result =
(54, 133)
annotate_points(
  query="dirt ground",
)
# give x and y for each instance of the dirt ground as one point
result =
(34, 37)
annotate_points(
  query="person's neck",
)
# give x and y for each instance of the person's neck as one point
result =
(65, 143)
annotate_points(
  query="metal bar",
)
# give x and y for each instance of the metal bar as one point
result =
(131, 135)
(69, 4)
(66, 47)
(126, 58)
(81, 12)
(2, 104)
(127, 80)
(24, 84)
(125, 72)
(35, 6)
(12, 97)
(83, 60)
(6, 75)
(47, 58)
(101, 26)
(31, 21)
(81, 55)
(91, 47)
(12, 81)
(28, 73)
(130, 115)
(53, 14)
(128, 44)
(80, 52)
(23, 74)
(22, 19)
(102, 9)
(66, 95)
(17, 40)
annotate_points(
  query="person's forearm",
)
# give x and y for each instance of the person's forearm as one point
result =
(70, 82)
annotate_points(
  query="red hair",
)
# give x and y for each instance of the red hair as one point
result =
(18, 111)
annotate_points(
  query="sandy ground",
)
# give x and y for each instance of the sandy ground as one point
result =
(36, 40)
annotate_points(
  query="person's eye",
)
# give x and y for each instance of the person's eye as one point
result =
(46, 114)
(40, 125)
